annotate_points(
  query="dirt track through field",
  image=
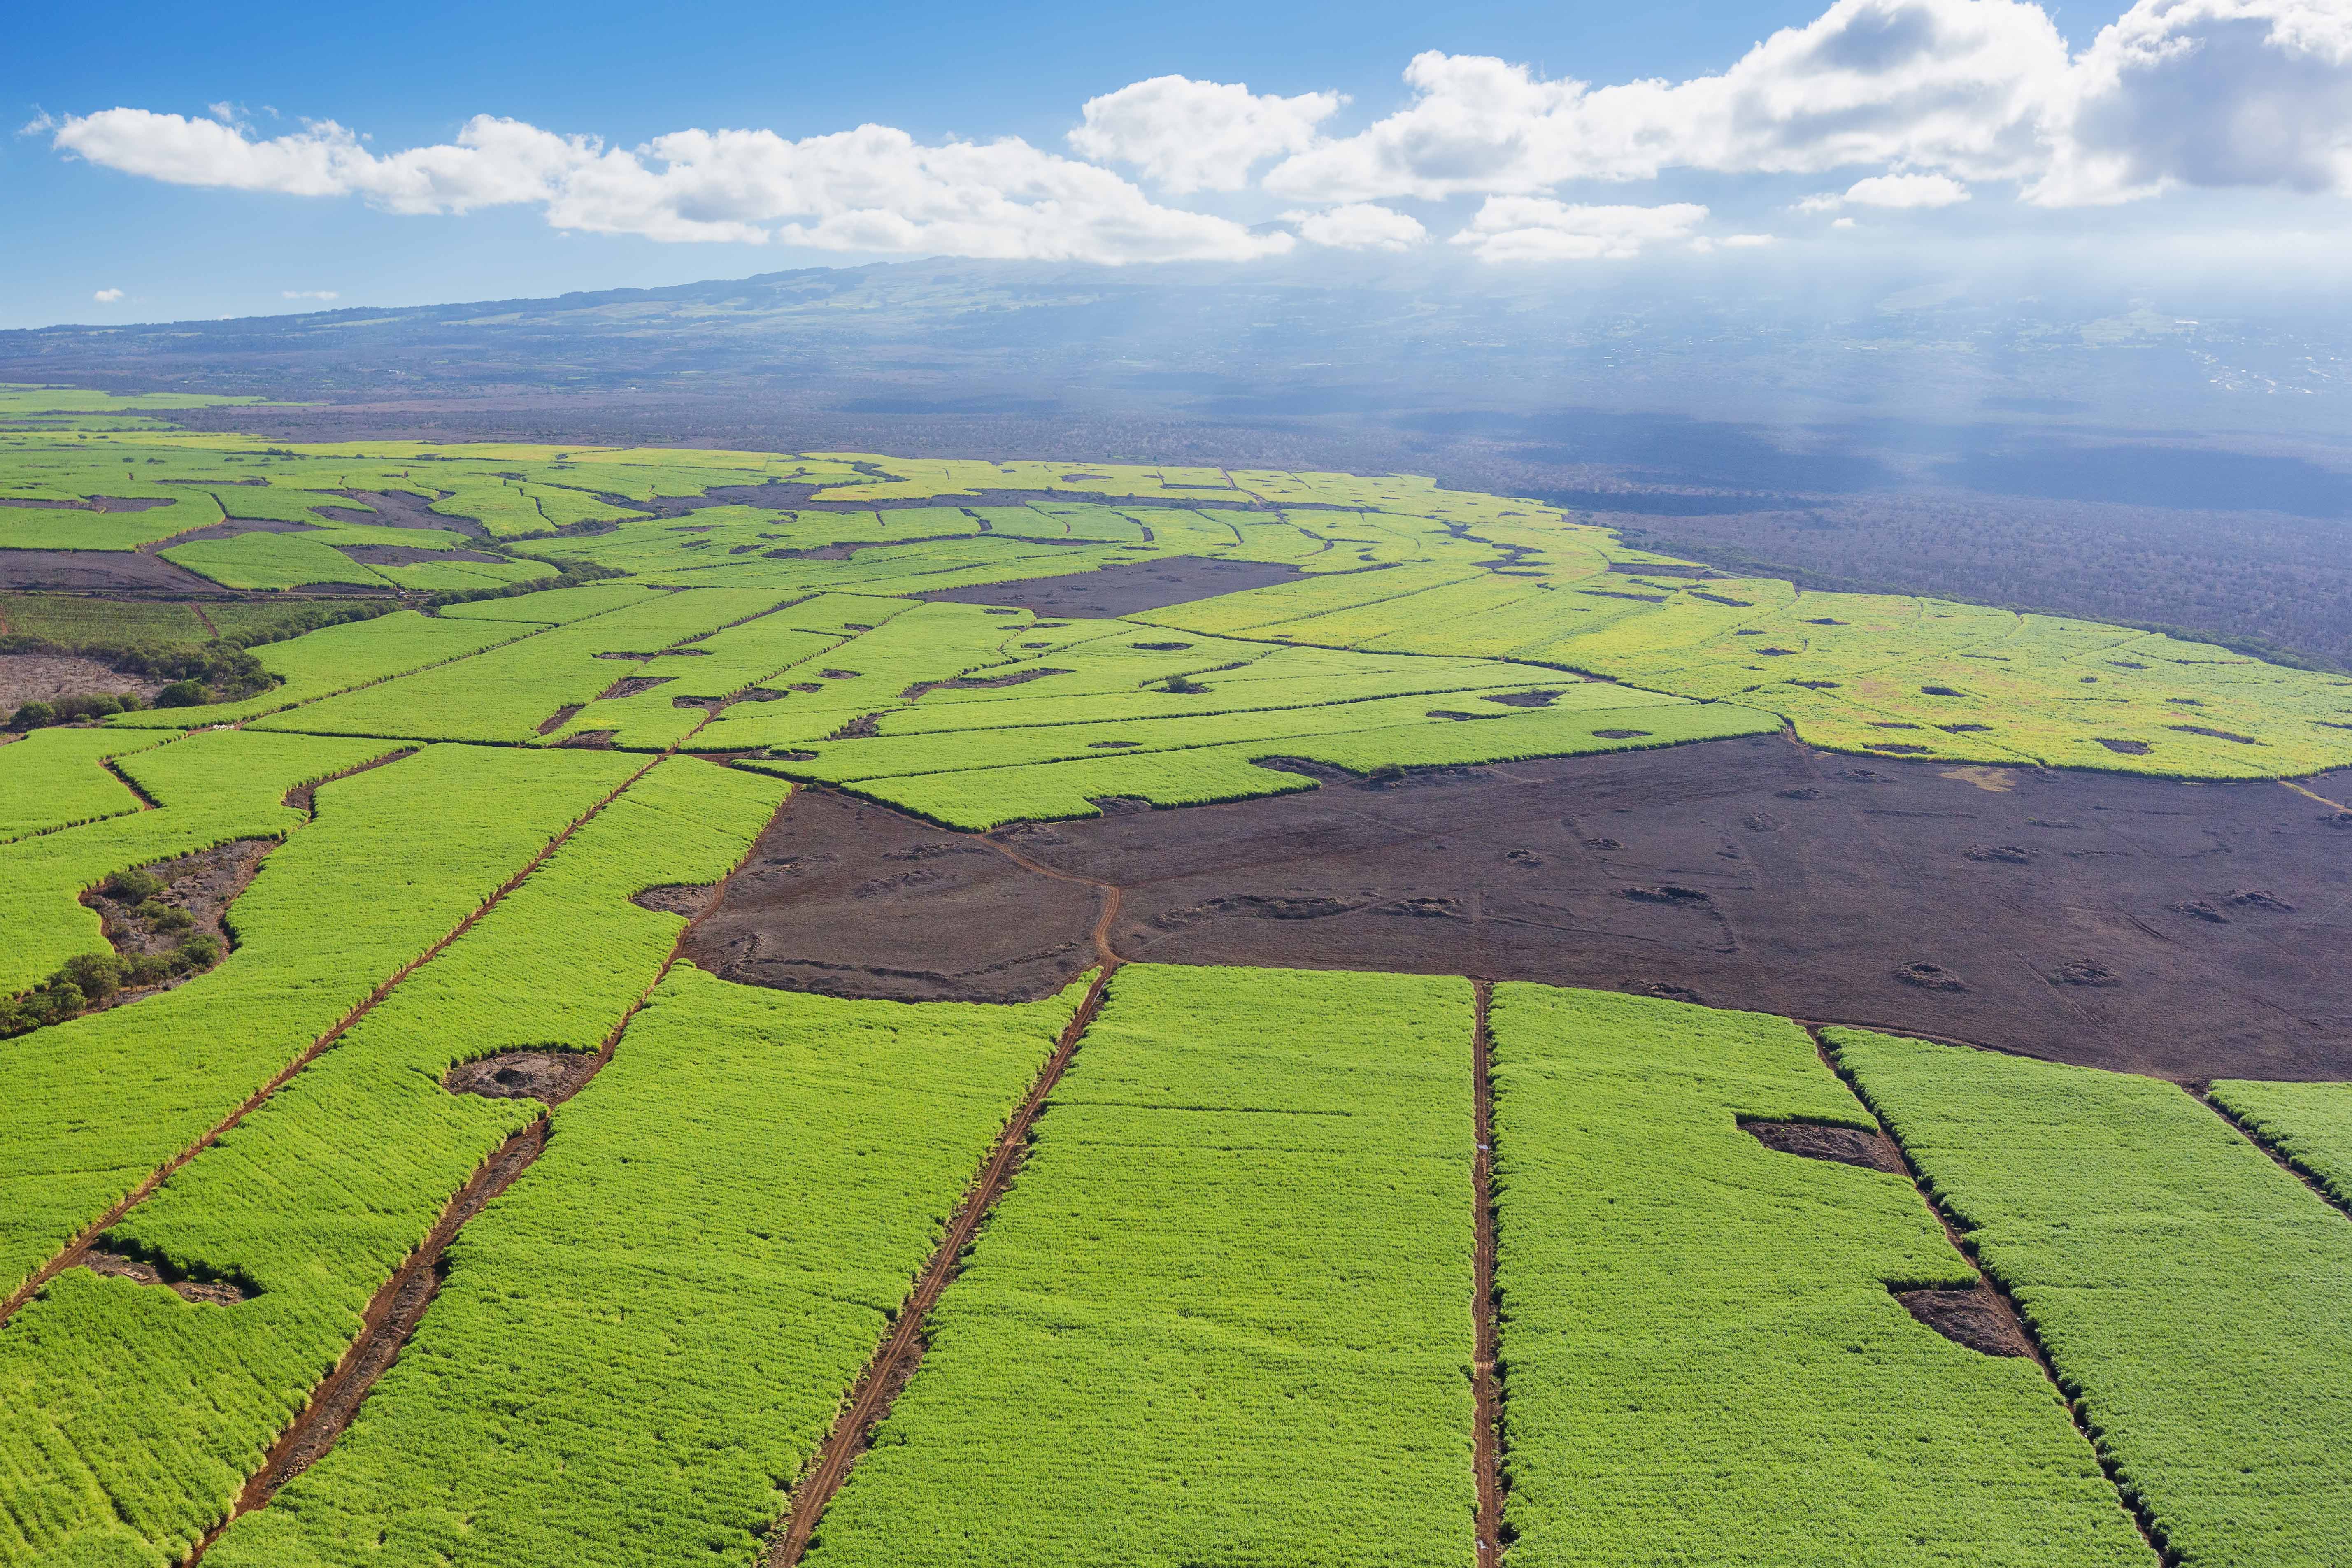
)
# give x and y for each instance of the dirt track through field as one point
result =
(895, 1361)
(74, 1250)
(1485, 1366)
(1990, 1292)
(399, 1305)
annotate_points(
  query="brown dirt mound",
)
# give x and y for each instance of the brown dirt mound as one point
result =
(1977, 1318)
(210, 1292)
(550, 1077)
(628, 686)
(1824, 1140)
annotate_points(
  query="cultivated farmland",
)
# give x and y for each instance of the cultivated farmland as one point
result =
(645, 1007)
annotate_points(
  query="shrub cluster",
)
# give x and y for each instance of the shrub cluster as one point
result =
(89, 978)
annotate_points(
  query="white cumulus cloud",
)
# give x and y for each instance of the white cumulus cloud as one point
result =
(1187, 135)
(1891, 190)
(1537, 228)
(874, 188)
(2206, 93)
(309, 294)
(1359, 226)
(107, 296)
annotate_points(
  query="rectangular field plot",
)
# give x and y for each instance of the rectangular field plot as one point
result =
(1704, 1361)
(2309, 1123)
(1223, 1315)
(315, 1199)
(2197, 1297)
(644, 1339)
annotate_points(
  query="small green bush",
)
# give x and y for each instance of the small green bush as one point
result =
(32, 716)
(96, 975)
(133, 885)
(161, 916)
(199, 952)
(183, 694)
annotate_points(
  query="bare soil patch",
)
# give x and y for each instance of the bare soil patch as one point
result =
(100, 571)
(1977, 1318)
(193, 901)
(690, 899)
(2073, 955)
(549, 1077)
(210, 1292)
(93, 503)
(399, 508)
(1124, 589)
(43, 677)
(848, 899)
(1823, 1141)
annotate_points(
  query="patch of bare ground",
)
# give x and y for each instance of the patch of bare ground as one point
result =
(209, 1292)
(901, 1351)
(1124, 589)
(1977, 1317)
(847, 898)
(549, 1077)
(90, 503)
(399, 508)
(101, 571)
(628, 686)
(191, 901)
(691, 899)
(560, 718)
(2072, 953)
(1828, 1140)
(977, 683)
(45, 677)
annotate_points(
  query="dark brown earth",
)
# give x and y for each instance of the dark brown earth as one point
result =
(99, 569)
(43, 677)
(398, 508)
(1750, 873)
(849, 899)
(687, 899)
(552, 1076)
(94, 503)
(1977, 1318)
(1821, 1141)
(202, 886)
(1124, 589)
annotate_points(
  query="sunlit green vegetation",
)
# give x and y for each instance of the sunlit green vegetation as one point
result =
(317, 1197)
(90, 1108)
(1229, 1296)
(2310, 1123)
(1705, 1364)
(639, 1346)
(55, 779)
(2196, 1298)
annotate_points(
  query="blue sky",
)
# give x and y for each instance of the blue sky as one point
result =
(175, 208)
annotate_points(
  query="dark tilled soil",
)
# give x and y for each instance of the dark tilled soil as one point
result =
(99, 570)
(552, 1077)
(1821, 1141)
(686, 898)
(848, 899)
(204, 885)
(1977, 1318)
(1647, 873)
(95, 503)
(398, 508)
(43, 677)
(1124, 589)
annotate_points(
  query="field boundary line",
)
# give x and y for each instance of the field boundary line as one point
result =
(1485, 1365)
(79, 1245)
(2202, 1094)
(2127, 1496)
(896, 1358)
(397, 1309)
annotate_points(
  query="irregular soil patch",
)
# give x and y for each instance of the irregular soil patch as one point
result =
(211, 1292)
(1977, 1318)
(550, 1077)
(45, 677)
(1824, 1140)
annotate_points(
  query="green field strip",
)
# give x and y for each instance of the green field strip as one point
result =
(53, 779)
(687, 1283)
(503, 696)
(1275, 611)
(73, 528)
(210, 788)
(1703, 1360)
(92, 1108)
(1226, 1304)
(316, 1198)
(2309, 1125)
(714, 668)
(340, 659)
(270, 561)
(2193, 1297)
(553, 608)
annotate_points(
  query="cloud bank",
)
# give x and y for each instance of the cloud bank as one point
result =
(1916, 101)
